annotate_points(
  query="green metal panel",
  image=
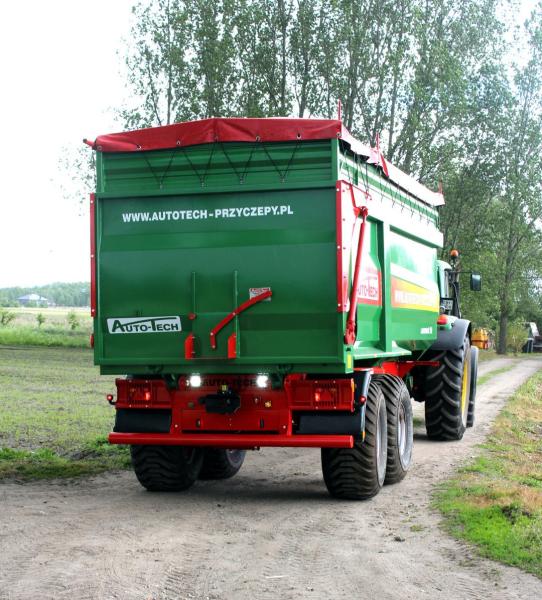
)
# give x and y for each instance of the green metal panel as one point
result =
(195, 232)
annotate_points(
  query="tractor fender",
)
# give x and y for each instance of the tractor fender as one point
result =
(451, 339)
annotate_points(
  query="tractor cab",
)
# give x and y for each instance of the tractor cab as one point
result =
(449, 286)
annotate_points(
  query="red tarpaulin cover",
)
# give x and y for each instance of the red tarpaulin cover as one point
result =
(207, 131)
(212, 130)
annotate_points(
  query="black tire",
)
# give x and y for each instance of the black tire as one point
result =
(447, 389)
(400, 426)
(221, 464)
(166, 468)
(358, 473)
(473, 385)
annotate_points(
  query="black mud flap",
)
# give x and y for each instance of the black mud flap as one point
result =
(133, 420)
(332, 423)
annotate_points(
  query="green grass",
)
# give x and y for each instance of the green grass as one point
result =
(486, 355)
(53, 414)
(55, 331)
(496, 501)
(485, 378)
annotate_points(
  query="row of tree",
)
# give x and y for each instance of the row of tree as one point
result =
(60, 294)
(451, 89)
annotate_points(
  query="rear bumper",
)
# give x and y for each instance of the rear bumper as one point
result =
(233, 440)
(301, 413)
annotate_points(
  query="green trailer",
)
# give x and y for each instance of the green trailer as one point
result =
(272, 282)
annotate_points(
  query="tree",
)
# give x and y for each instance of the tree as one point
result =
(519, 206)
(158, 66)
(429, 78)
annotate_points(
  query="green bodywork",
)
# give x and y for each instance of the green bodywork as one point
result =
(187, 233)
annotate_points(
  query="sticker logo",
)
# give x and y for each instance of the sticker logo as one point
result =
(144, 325)
(253, 292)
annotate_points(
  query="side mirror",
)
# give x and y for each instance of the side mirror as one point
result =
(476, 282)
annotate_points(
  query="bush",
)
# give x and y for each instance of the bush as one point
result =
(73, 320)
(6, 317)
(40, 318)
(516, 336)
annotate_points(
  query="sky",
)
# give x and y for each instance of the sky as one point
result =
(61, 79)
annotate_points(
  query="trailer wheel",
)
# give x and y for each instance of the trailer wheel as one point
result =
(400, 426)
(473, 384)
(358, 473)
(166, 468)
(221, 464)
(447, 391)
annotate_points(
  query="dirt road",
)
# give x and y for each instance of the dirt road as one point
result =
(271, 532)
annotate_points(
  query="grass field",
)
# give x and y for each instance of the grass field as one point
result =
(54, 331)
(496, 502)
(54, 418)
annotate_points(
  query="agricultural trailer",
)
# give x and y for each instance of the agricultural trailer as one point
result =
(272, 282)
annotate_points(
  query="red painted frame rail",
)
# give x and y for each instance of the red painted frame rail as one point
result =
(238, 440)
(93, 255)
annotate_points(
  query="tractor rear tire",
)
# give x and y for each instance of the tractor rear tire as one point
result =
(446, 392)
(221, 464)
(166, 468)
(473, 385)
(400, 426)
(358, 473)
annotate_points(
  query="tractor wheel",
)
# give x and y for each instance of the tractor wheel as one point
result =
(446, 391)
(358, 473)
(221, 464)
(473, 384)
(166, 468)
(400, 426)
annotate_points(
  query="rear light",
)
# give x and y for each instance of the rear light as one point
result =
(442, 320)
(261, 381)
(325, 396)
(195, 381)
(140, 394)
(92, 340)
(110, 398)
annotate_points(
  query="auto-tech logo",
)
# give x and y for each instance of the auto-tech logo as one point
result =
(144, 325)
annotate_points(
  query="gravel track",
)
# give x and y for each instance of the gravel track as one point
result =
(271, 532)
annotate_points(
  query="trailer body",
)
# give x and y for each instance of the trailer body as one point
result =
(251, 276)
(185, 236)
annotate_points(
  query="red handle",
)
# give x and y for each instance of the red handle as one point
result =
(350, 333)
(234, 313)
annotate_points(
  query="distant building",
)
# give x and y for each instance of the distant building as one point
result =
(34, 299)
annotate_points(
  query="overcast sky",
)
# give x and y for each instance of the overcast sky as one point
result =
(60, 80)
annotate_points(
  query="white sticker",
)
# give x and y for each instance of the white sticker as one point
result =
(426, 330)
(253, 292)
(144, 325)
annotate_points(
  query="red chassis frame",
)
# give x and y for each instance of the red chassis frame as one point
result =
(266, 416)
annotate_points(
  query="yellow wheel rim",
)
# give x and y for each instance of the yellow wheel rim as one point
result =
(465, 384)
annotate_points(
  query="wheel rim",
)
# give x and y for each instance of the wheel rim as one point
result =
(235, 456)
(465, 384)
(401, 433)
(381, 446)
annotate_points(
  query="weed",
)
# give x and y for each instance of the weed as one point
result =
(73, 320)
(496, 501)
(6, 317)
